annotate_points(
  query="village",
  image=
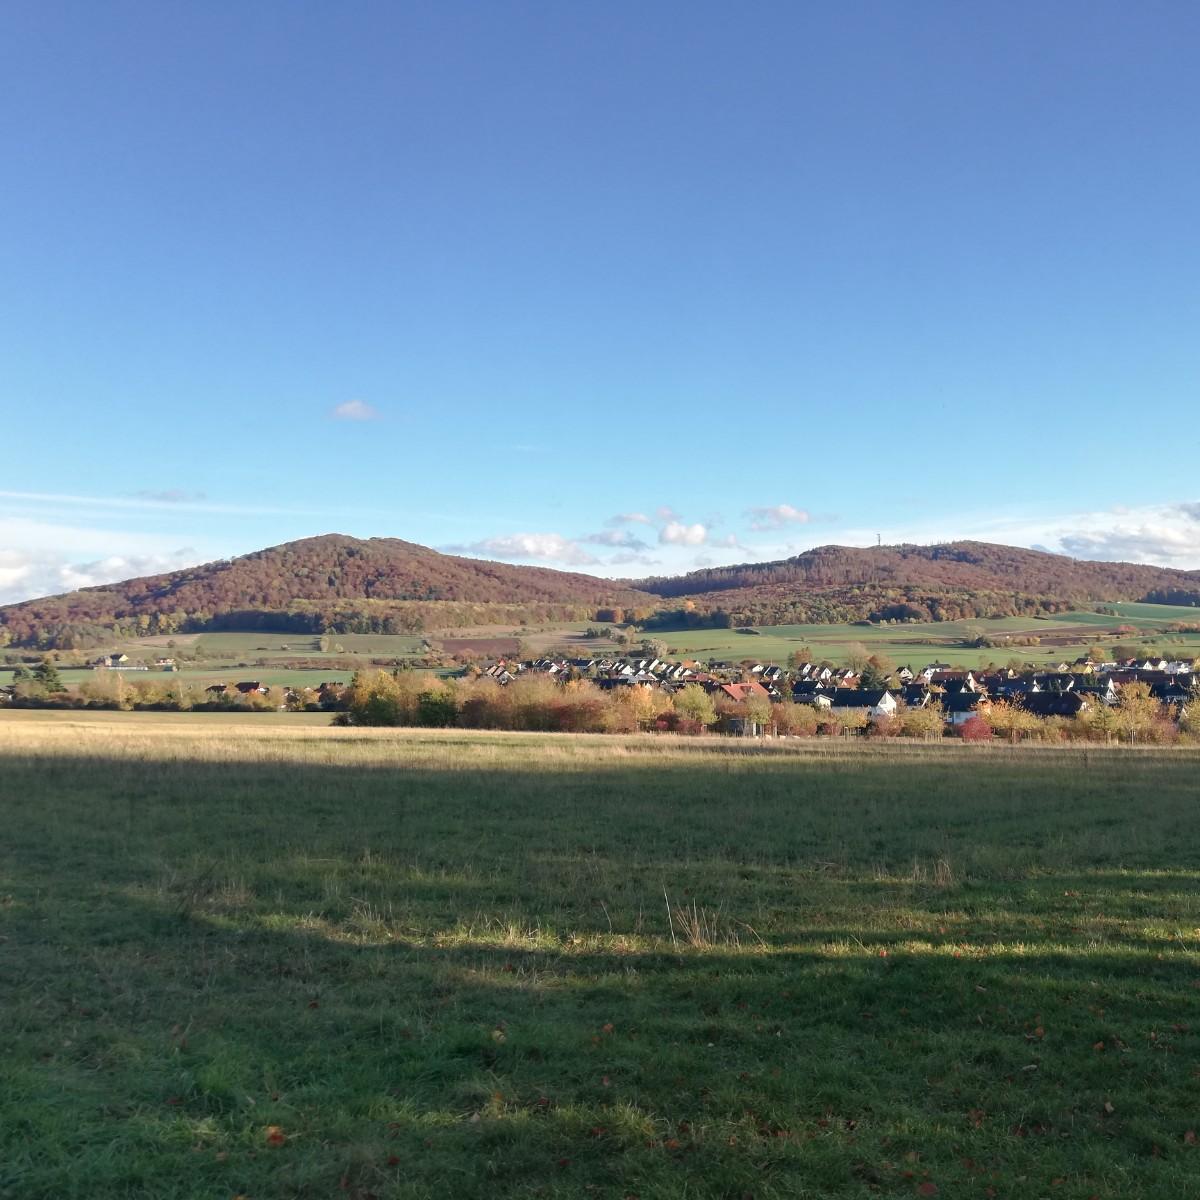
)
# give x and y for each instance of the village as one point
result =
(1067, 689)
(1143, 699)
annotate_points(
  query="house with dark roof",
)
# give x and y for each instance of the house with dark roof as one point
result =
(875, 702)
(960, 707)
(1054, 704)
(1100, 691)
(1174, 693)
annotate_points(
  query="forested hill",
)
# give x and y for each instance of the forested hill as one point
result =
(946, 581)
(341, 584)
(333, 582)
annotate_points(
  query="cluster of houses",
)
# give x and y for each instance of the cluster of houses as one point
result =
(1061, 690)
(325, 695)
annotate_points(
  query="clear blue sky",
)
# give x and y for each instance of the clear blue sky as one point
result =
(924, 270)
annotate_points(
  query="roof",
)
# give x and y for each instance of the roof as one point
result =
(857, 697)
(960, 702)
(743, 691)
(807, 687)
(1052, 704)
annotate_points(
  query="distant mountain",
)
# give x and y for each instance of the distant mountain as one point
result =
(945, 581)
(342, 584)
(333, 582)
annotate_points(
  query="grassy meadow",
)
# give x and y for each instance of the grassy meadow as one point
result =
(268, 958)
(1063, 635)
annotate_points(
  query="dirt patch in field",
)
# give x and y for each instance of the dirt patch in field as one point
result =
(494, 646)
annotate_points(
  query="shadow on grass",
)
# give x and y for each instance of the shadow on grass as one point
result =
(470, 972)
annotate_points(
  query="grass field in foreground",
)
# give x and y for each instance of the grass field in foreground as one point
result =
(280, 960)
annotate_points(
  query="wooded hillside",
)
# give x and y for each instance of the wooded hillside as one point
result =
(341, 584)
(331, 583)
(941, 582)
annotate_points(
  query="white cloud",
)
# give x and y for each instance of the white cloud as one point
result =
(664, 512)
(776, 516)
(355, 410)
(675, 533)
(629, 518)
(25, 574)
(547, 547)
(1166, 535)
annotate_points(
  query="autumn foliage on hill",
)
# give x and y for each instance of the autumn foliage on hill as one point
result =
(334, 582)
(341, 584)
(950, 581)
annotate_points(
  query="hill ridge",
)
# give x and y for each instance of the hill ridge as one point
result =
(336, 582)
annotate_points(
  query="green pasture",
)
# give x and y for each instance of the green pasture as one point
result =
(260, 958)
(249, 646)
(1158, 612)
(918, 643)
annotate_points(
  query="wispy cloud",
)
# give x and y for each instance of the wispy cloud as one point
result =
(615, 537)
(144, 501)
(664, 512)
(629, 518)
(355, 410)
(544, 547)
(776, 516)
(171, 496)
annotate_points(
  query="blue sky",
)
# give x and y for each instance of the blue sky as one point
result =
(490, 276)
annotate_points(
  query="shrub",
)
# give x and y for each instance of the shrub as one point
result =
(794, 720)
(975, 729)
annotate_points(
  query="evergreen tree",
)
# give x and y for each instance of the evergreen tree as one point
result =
(46, 673)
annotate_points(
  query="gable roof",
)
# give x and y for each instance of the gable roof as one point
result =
(1052, 704)
(858, 697)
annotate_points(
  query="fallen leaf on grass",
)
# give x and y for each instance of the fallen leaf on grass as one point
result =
(928, 1188)
(275, 1136)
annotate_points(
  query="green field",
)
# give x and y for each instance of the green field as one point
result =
(916, 644)
(250, 646)
(260, 957)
